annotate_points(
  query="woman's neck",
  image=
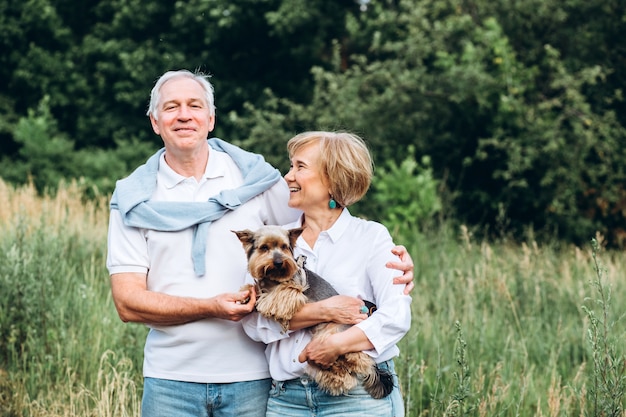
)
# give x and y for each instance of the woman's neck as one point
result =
(315, 223)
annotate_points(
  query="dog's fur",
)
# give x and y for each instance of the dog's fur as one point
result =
(283, 286)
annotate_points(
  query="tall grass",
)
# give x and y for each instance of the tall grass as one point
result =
(499, 329)
(504, 327)
(63, 351)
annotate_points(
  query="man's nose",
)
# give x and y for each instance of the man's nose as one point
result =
(184, 112)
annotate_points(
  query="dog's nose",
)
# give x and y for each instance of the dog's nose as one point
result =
(278, 260)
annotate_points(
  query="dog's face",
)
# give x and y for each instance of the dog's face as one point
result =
(270, 252)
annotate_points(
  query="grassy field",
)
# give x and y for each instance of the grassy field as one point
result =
(499, 329)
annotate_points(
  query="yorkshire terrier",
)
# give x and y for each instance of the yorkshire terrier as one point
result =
(283, 285)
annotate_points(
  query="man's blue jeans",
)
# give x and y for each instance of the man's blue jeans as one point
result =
(165, 398)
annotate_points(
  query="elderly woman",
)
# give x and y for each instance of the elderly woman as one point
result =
(329, 172)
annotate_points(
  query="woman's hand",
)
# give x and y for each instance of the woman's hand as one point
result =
(324, 351)
(320, 352)
(343, 309)
(340, 309)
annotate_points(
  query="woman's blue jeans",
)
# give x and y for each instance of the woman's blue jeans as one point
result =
(302, 397)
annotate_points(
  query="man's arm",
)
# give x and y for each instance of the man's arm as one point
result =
(135, 303)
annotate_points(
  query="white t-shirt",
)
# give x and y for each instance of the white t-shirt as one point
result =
(210, 350)
(351, 256)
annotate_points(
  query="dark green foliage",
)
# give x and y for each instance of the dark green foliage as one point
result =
(519, 105)
(47, 157)
(98, 60)
(514, 128)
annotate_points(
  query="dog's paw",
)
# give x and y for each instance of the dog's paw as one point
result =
(282, 303)
(247, 287)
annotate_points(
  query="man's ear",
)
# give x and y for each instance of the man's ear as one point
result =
(155, 126)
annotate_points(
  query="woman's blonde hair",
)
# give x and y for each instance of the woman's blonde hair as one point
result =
(345, 162)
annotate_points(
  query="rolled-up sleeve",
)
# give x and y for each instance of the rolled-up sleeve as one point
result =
(388, 324)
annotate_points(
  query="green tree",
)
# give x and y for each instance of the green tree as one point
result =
(45, 156)
(33, 40)
(512, 133)
(519, 105)
(98, 60)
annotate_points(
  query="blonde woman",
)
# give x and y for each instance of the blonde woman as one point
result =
(329, 172)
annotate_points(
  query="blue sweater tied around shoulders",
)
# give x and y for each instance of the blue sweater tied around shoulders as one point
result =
(132, 198)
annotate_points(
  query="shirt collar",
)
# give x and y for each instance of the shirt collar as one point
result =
(341, 225)
(215, 168)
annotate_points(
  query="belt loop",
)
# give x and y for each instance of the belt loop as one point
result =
(279, 385)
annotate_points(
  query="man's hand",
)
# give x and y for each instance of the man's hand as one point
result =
(234, 306)
(405, 265)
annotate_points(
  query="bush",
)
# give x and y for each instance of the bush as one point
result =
(405, 195)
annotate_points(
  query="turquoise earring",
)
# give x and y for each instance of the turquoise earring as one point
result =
(332, 204)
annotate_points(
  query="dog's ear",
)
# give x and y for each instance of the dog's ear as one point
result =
(246, 237)
(293, 235)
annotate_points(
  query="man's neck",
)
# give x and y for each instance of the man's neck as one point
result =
(191, 164)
